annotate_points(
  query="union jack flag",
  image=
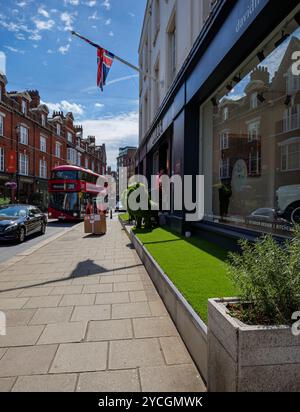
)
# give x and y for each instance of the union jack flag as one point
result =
(104, 60)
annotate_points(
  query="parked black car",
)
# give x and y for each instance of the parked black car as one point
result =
(19, 221)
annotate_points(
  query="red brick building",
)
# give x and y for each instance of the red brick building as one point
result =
(32, 143)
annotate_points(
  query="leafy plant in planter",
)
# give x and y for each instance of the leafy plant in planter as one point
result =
(267, 276)
(140, 216)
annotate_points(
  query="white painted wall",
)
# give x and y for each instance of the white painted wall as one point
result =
(189, 17)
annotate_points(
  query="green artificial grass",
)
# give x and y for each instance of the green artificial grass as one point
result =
(124, 217)
(198, 268)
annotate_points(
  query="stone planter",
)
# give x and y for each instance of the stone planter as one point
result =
(245, 358)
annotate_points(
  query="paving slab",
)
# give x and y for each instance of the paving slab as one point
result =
(67, 290)
(129, 354)
(21, 336)
(21, 317)
(109, 298)
(43, 302)
(6, 384)
(82, 357)
(154, 327)
(128, 286)
(86, 316)
(12, 303)
(63, 332)
(31, 292)
(88, 313)
(182, 378)
(101, 288)
(44, 316)
(109, 330)
(131, 310)
(174, 350)
(109, 381)
(30, 360)
(78, 300)
(46, 383)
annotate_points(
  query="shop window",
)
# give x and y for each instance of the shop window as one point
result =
(260, 163)
(1, 159)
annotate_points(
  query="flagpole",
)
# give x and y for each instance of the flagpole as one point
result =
(74, 33)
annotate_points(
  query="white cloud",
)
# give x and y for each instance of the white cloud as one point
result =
(108, 22)
(14, 50)
(72, 2)
(44, 24)
(111, 34)
(131, 14)
(67, 19)
(49, 51)
(91, 3)
(106, 4)
(35, 37)
(115, 131)
(65, 106)
(43, 12)
(20, 36)
(94, 16)
(99, 105)
(64, 49)
(21, 4)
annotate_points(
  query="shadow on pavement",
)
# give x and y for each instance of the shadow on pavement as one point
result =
(83, 269)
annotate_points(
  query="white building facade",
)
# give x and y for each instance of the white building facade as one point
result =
(169, 31)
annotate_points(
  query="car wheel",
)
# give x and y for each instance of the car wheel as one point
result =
(22, 235)
(293, 214)
(43, 229)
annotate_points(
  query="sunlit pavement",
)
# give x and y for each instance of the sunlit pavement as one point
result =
(83, 315)
(10, 249)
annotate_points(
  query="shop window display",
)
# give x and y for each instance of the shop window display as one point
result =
(254, 158)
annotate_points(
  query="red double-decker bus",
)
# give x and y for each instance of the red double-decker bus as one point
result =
(70, 188)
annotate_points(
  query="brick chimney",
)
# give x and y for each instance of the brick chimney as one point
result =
(35, 98)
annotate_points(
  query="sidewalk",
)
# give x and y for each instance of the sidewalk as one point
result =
(83, 314)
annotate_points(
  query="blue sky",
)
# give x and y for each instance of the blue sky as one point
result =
(41, 54)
